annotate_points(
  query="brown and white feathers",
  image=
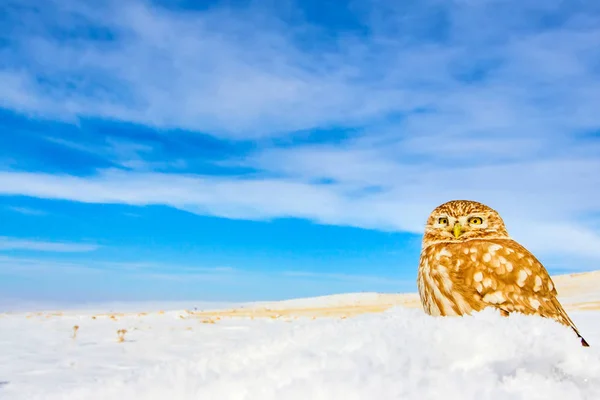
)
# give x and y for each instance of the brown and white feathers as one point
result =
(469, 262)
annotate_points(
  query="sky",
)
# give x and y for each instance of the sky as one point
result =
(262, 150)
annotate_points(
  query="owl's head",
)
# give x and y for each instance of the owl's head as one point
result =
(461, 220)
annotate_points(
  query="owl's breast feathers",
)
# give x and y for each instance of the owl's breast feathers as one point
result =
(458, 278)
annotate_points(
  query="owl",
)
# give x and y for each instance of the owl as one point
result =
(469, 262)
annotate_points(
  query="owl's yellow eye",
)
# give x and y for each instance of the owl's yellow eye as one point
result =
(475, 221)
(443, 221)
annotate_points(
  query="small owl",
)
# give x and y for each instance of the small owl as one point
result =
(469, 262)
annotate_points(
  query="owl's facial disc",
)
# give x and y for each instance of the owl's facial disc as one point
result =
(461, 220)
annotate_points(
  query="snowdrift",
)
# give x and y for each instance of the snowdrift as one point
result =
(309, 353)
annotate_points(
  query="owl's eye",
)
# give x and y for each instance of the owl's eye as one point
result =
(475, 221)
(443, 221)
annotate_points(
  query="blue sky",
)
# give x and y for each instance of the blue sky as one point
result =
(255, 150)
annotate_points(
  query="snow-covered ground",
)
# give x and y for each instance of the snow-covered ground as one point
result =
(356, 346)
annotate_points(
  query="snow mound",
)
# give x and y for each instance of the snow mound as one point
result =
(398, 354)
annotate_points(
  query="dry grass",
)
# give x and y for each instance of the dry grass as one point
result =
(75, 329)
(335, 311)
(342, 311)
(339, 311)
(121, 335)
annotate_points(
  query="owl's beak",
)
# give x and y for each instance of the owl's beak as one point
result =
(457, 230)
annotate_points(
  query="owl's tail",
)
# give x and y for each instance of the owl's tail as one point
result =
(565, 320)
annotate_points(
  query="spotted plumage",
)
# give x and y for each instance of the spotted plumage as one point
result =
(469, 262)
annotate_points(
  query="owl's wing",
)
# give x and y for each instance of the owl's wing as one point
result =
(508, 277)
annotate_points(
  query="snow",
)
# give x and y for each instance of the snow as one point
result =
(300, 349)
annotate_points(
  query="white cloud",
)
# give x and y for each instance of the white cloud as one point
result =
(34, 266)
(248, 73)
(521, 193)
(212, 71)
(8, 243)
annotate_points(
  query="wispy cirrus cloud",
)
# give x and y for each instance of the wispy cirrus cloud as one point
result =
(210, 71)
(8, 243)
(27, 210)
(404, 197)
(214, 71)
(29, 266)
